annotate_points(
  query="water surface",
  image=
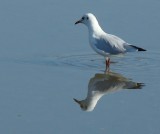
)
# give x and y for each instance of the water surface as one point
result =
(46, 61)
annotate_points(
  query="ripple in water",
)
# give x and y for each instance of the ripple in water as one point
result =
(94, 61)
(82, 61)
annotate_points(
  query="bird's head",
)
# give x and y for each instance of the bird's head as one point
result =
(82, 104)
(87, 19)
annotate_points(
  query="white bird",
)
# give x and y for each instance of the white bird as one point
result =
(103, 43)
(102, 84)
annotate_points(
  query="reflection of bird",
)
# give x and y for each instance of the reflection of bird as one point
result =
(102, 84)
(103, 43)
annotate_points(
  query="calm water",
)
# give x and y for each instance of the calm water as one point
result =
(45, 62)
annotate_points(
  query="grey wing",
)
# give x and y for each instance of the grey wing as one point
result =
(109, 47)
(122, 46)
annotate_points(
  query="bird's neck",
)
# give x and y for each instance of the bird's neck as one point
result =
(92, 100)
(95, 28)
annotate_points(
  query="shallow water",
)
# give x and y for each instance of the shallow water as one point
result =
(46, 61)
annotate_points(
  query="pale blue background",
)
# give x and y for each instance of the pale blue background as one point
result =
(45, 61)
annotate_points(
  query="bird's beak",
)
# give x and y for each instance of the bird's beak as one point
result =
(79, 21)
(77, 101)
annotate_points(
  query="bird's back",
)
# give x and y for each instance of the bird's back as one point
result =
(108, 44)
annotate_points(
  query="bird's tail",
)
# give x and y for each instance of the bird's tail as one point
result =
(138, 48)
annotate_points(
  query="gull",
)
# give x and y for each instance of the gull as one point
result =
(103, 43)
(103, 84)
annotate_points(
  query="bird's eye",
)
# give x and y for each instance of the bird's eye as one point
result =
(82, 18)
(87, 18)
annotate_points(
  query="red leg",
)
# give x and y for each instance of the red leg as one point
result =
(107, 62)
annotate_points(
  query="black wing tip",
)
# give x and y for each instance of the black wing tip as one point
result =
(137, 86)
(140, 85)
(138, 48)
(141, 49)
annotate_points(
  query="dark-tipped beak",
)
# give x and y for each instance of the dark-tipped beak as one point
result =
(79, 21)
(76, 100)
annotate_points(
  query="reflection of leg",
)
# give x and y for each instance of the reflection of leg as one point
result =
(107, 70)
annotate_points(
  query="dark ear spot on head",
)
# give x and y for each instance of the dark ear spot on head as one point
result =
(87, 18)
